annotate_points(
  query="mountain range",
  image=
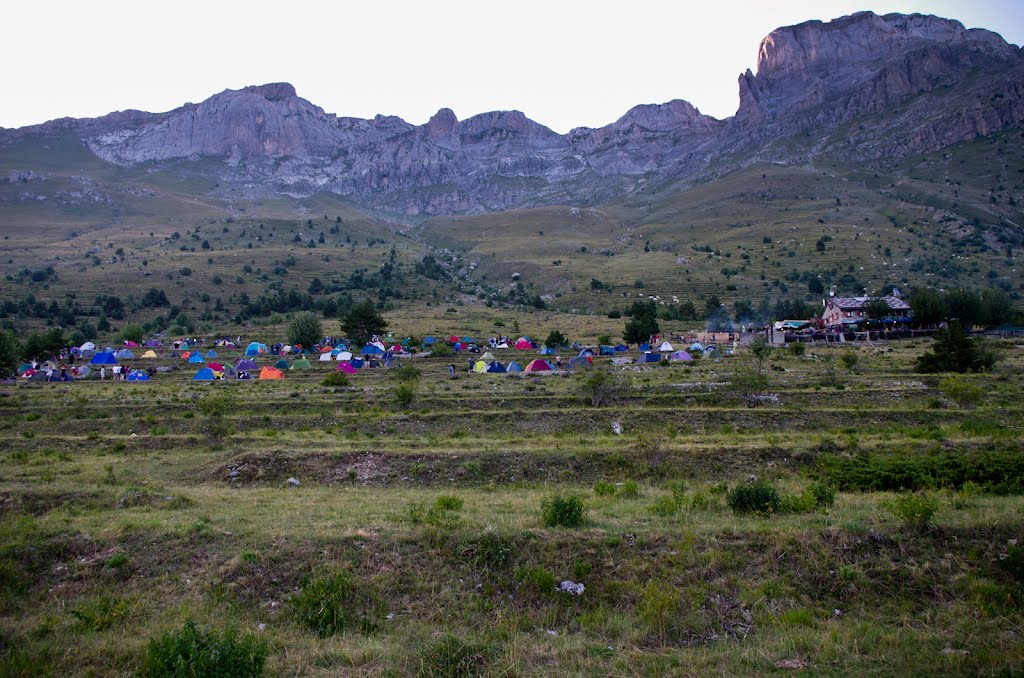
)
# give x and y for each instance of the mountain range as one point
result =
(924, 82)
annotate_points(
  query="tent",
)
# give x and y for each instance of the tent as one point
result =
(245, 365)
(523, 343)
(186, 355)
(429, 341)
(488, 357)
(513, 367)
(547, 350)
(644, 348)
(130, 344)
(575, 346)
(345, 355)
(371, 349)
(137, 375)
(357, 363)
(325, 357)
(392, 362)
(580, 361)
(539, 365)
(346, 367)
(152, 343)
(621, 348)
(282, 364)
(327, 349)
(23, 368)
(255, 348)
(586, 353)
(211, 353)
(453, 339)
(103, 359)
(696, 346)
(87, 346)
(666, 347)
(80, 372)
(713, 353)
(196, 357)
(124, 354)
(204, 374)
(480, 366)
(494, 367)
(216, 367)
(301, 364)
(271, 373)
(648, 358)
(607, 350)
(681, 356)
(149, 355)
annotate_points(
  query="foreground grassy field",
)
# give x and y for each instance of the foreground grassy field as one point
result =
(414, 542)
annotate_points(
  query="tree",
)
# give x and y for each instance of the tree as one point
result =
(362, 322)
(305, 329)
(760, 349)
(954, 351)
(877, 308)
(132, 332)
(555, 339)
(10, 353)
(643, 324)
(929, 306)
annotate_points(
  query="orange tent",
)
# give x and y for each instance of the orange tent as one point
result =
(271, 373)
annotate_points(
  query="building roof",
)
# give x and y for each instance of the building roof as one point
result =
(858, 303)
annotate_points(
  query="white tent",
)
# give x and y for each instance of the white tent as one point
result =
(345, 355)
(666, 348)
(87, 346)
(325, 357)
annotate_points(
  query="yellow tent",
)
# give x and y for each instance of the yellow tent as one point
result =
(149, 354)
(480, 366)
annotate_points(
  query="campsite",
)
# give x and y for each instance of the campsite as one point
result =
(433, 518)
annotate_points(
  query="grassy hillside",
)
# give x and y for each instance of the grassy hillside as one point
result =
(417, 522)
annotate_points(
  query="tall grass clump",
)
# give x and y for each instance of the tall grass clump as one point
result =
(452, 657)
(334, 602)
(761, 498)
(915, 510)
(559, 511)
(194, 651)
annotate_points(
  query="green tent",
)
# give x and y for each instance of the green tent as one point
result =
(282, 364)
(301, 364)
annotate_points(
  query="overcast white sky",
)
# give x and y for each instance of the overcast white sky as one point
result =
(564, 64)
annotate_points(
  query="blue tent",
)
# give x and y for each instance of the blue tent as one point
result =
(370, 349)
(195, 358)
(103, 359)
(139, 375)
(579, 361)
(205, 374)
(621, 348)
(548, 351)
(429, 341)
(649, 358)
(696, 346)
(513, 367)
(468, 340)
(356, 363)
(255, 348)
(607, 350)
(211, 353)
(124, 354)
(496, 367)
(586, 353)
(645, 347)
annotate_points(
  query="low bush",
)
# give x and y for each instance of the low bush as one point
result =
(559, 511)
(629, 490)
(336, 379)
(102, 612)
(452, 657)
(334, 602)
(760, 498)
(962, 391)
(915, 510)
(537, 580)
(193, 651)
(449, 502)
(603, 488)
(997, 471)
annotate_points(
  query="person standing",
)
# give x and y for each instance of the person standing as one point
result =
(103, 373)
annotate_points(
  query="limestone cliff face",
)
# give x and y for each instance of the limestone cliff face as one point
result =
(916, 82)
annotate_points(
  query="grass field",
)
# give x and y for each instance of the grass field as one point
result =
(417, 525)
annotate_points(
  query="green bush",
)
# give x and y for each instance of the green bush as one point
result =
(567, 511)
(664, 507)
(962, 391)
(798, 503)
(758, 497)
(797, 349)
(824, 494)
(954, 351)
(449, 502)
(333, 602)
(336, 378)
(848, 359)
(629, 490)
(102, 612)
(537, 579)
(405, 393)
(452, 657)
(915, 510)
(998, 471)
(603, 488)
(193, 651)
(407, 373)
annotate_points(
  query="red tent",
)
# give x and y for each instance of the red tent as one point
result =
(538, 365)
(346, 366)
(523, 344)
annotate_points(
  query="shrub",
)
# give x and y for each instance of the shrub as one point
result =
(824, 494)
(562, 511)
(405, 393)
(915, 510)
(452, 657)
(118, 560)
(305, 329)
(848, 360)
(102, 612)
(332, 602)
(999, 471)
(407, 373)
(961, 391)
(603, 488)
(629, 490)
(664, 507)
(197, 652)
(537, 579)
(337, 379)
(797, 348)
(490, 550)
(758, 497)
(954, 351)
(449, 502)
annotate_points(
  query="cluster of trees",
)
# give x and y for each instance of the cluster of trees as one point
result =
(989, 308)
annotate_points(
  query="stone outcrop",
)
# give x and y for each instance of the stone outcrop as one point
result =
(922, 82)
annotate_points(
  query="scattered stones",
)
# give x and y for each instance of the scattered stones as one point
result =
(293, 482)
(570, 587)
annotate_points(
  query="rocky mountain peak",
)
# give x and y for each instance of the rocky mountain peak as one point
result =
(664, 117)
(274, 91)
